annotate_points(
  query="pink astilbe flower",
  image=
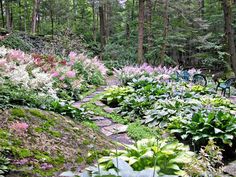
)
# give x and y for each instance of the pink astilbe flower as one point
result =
(3, 63)
(72, 55)
(17, 55)
(19, 128)
(37, 61)
(55, 74)
(62, 78)
(70, 74)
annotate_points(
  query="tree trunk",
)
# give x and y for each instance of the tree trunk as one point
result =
(2, 14)
(8, 16)
(52, 22)
(149, 23)
(35, 15)
(132, 12)
(25, 15)
(102, 26)
(140, 31)
(20, 16)
(229, 32)
(165, 33)
(94, 22)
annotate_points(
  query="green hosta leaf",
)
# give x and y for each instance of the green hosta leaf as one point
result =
(218, 131)
(231, 137)
(182, 158)
(148, 154)
(173, 166)
(122, 165)
(184, 136)
(176, 130)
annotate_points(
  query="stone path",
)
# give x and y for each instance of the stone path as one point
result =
(115, 131)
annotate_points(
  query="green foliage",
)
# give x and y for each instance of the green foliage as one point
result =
(12, 95)
(216, 125)
(18, 112)
(14, 41)
(166, 157)
(137, 131)
(4, 164)
(115, 95)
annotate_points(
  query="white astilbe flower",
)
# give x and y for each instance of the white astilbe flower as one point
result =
(19, 75)
(3, 51)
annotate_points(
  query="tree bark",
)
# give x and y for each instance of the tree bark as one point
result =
(229, 32)
(94, 22)
(34, 15)
(25, 15)
(2, 14)
(20, 16)
(149, 23)
(165, 33)
(102, 26)
(140, 32)
(8, 16)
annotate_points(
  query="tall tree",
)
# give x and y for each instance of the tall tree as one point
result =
(8, 15)
(2, 13)
(102, 25)
(140, 32)
(229, 31)
(35, 15)
(165, 32)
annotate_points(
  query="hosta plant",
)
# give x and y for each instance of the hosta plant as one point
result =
(115, 95)
(203, 126)
(163, 156)
(4, 164)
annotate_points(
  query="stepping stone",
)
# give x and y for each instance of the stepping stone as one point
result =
(117, 128)
(77, 104)
(109, 110)
(99, 103)
(87, 99)
(230, 169)
(95, 118)
(105, 132)
(103, 123)
(122, 138)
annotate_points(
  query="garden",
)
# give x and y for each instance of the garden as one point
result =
(56, 114)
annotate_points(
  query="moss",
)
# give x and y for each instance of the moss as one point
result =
(21, 152)
(56, 134)
(91, 125)
(60, 159)
(42, 156)
(137, 131)
(38, 114)
(100, 112)
(79, 159)
(18, 112)
(86, 142)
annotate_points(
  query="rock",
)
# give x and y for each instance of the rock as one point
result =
(97, 118)
(87, 99)
(117, 128)
(77, 104)
(99, 103)
(230, 168)
(106, 132)
(108, 109)
(122, 138)
(103, 123)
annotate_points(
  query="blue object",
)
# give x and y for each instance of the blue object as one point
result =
(183, 75)
(225, 85)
